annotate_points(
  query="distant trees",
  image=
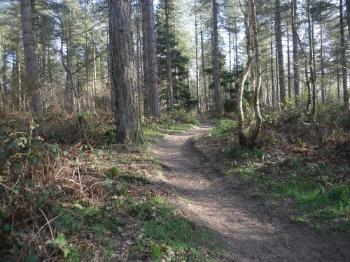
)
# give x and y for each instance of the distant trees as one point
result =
(56, 54)
(122, 72)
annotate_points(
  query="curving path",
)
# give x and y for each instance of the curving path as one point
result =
(246, 229)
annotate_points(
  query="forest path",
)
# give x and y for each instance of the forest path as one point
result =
(244, 227)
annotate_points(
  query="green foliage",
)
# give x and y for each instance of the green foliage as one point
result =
(61, 244)
(99, 219)
(224, 127)
(238, 152)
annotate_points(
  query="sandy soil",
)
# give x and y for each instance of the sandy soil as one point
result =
(246, 228)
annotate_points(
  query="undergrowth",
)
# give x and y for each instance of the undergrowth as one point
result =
(169, 123)
(78, 196)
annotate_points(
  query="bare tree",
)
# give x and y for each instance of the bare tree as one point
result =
(122, 72)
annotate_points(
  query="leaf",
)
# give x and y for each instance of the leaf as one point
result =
(62, 244)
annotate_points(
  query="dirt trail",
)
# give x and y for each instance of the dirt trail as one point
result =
(246, 229)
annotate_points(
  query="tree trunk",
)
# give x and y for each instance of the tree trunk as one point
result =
(338, 78)
(122, 71)
(296, 74)
(168, 60)
(273, 90)
(279, 47)
(141, 89)
(256, 76)
(252, 66)
(343, 57)
(288, 66)
(348, 14)
(199, 105)
(206, 102)
(68, 90)
(236, 45)
(30, 58)
(323, 88)
(216, 62)
(150, 61)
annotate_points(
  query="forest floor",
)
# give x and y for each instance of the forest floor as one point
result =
(247, 228)
(69, 193)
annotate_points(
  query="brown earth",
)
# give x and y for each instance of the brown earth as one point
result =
(246, 228)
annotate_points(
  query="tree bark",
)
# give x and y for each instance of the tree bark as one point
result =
(216, 62)
(122, 72)
(30, 58)
(152, 106)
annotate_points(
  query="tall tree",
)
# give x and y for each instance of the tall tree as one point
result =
(169, 72)
(296, 74)
(216, 62)
(312, 78)
(122, 71)
(30, 58)
(206, 101)
(279, 46)
(343, 57)
(199, 105)
(152, 106)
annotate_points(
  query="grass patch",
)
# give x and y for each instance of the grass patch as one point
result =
(169, 236)
(318, 200)
(224, 127)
